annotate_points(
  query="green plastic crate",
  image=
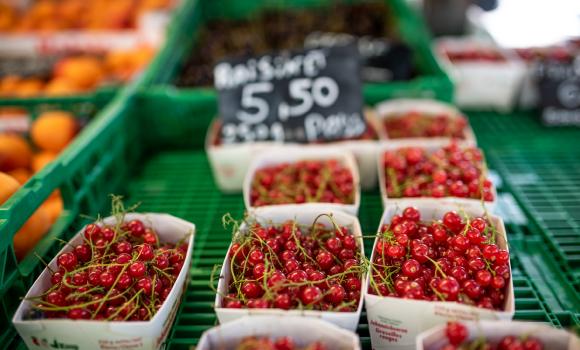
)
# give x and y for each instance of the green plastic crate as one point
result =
(161, 163)
(431, 81)
(16, 277)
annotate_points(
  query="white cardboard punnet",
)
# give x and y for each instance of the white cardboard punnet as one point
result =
(482, 84)
(87, 334)
(552, 338)
(230, 162)
(430, 108)
(394, 323)
(292, 154)
(303, 214)
(302, 331)
(429, 145)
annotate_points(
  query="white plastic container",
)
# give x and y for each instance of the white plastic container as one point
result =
(394, 323)
(293, 154)
(303, 214)
(482, 84)
(89, 334)
(552, 338)
(302, 331)
(429, 145)
(391, 109)
(230, 162)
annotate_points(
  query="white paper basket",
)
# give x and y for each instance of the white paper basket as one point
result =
(552, 338)
(429, 145)
(291, 154)
(89, 334)
(394, 323)
(430, 108)
(303, 214)
(302, 331)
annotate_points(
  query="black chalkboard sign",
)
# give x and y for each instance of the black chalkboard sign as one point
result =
(306, 96)
(559, 89)
(382, 59)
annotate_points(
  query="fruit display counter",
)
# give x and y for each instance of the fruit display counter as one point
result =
(166, 170)
(400, 223)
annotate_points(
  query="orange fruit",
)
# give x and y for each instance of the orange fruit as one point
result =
(60, 87)
(14, 152)
(7, 17)
(8, 185)
(53, 207)
(29, 87)
(52, 131)
(21, 175)
(40, 160)
(9, 84)
(84, 71)
(31, 232)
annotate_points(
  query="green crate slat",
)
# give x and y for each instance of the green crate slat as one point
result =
(547, 186)
(431, 81)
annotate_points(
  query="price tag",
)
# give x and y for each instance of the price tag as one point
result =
(382, 59)
(308, 96)
(559, 88)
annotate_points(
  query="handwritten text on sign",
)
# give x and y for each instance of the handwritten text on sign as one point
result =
(308, 96)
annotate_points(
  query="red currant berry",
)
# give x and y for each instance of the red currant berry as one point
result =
(456, 333)
(252, 290)
(67, 261)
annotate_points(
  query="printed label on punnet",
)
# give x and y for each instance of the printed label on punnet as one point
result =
(306, 96)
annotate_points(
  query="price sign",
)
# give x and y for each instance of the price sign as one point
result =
(382, 59)
(308, 96)
(559, 88)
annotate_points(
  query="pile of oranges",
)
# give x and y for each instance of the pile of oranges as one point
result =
(50, 133)
(54, 15)
(79, 74)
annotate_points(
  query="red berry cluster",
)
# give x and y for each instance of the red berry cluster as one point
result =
(479, 54)
(450, 171)
(326, 181)
(453, 259)
(283, 343)
(457, 336)
(416, 124)
(118, 273)
(291, 266)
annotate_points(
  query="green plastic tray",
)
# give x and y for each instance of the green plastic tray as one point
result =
(540, 167)
(160, 162)
(432, 81)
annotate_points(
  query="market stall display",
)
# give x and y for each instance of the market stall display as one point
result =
(283, 264)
